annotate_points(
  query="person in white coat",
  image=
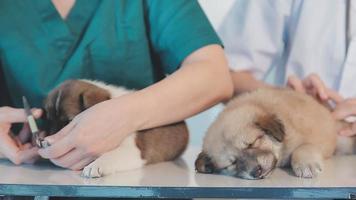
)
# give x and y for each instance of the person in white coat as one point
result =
(309, 44)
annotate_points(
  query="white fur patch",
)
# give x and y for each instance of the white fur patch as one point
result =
(126, 157)
(113, 90)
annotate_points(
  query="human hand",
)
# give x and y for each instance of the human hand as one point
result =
(90, 134)
(346, 110)
(315, 87)
(16, 148)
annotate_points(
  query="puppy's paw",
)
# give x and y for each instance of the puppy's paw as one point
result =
(307, 169)
(92, 171)
(307, 161)
(97, 169)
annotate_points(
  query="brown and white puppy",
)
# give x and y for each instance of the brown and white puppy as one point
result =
(269, 128)
(138, 149)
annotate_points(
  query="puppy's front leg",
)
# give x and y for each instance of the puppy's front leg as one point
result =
(307, 161)
(126, 157)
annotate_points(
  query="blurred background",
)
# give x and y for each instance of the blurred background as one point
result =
(198, 124)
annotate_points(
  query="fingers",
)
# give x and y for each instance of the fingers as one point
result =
(23, 155)
(74, 160)
(58, 149)
(61, 143)
(295, 83)
(60, 134)
(314, 83)
(334, 96)
(69, 159)
(26, 146)
(32, 161)
(348, 132)
(314, 86)
(24, 134)
(83, 163)
(36, 112)
(9, 148)
(345, 109)
(28, 155)
(16, 115)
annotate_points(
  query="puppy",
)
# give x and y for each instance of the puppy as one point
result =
(269, 128)
(140, 148)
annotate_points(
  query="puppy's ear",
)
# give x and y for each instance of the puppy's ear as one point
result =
(203, 164)
(50, 102)
(91, 97)
(272, 126)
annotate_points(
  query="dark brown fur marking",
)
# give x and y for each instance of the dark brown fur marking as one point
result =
(163, 143)
(203, 164)
(272, 126)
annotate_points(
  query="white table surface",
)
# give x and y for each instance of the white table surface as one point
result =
(177, 179)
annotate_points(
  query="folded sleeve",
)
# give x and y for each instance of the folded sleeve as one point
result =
(176, 29)
(254, 34)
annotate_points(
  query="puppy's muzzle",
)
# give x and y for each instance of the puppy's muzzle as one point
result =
(255, 164)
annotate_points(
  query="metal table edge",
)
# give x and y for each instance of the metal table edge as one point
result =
(176, 192)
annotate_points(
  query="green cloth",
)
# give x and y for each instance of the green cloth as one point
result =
(130, 43)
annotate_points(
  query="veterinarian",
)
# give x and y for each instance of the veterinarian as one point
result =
(309, 45)
(132, 43)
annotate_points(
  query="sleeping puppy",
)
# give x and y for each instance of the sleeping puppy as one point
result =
(140, 148)
(269, 128)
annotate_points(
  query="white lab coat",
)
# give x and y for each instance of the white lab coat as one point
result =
(297, 37)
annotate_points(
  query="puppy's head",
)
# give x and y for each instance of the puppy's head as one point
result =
(69, 99)
(243, 142)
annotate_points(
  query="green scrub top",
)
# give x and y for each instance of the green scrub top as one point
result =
(131, 43)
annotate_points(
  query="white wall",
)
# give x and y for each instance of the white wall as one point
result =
(216, 9)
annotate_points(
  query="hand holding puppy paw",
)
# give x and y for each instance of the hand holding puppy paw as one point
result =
(15, 148)
(90, 134)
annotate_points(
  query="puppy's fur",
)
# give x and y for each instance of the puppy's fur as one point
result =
(144, 147)
(269, 128)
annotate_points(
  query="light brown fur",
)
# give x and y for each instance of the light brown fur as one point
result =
(269, 128)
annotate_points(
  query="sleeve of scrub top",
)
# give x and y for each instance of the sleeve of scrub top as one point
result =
(253, 33)
(4, 95)
(177, 29)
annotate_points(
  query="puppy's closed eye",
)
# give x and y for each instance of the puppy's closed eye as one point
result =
(256, 143)
(81, 102)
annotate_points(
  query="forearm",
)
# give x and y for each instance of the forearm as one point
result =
(200, 83)
(244, 81)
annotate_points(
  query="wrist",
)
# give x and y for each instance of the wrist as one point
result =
(131, 110)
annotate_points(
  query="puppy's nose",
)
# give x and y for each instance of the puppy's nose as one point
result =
(257, 172)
